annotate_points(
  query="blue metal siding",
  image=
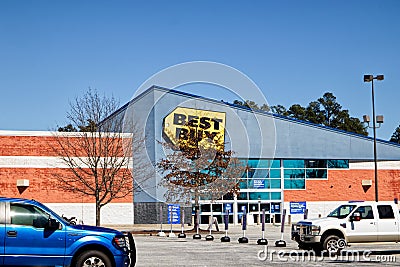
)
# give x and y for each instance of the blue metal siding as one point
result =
(252, 134)
(293, 138)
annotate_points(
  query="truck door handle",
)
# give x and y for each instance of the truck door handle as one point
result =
(12, 233)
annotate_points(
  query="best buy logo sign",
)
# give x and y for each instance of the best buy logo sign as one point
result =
(184, 124)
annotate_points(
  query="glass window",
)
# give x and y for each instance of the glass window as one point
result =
(252, 163)
(242, 206)
(338, 164)
(317, 173)
(275, 183)
(243, 184)
(264, 173)
(365, 212)
(228, 196)
(253, 207)
(249, 173)
(385, 212)
(316, 163)
(28, 215)
(294, 173)
(294, 184)
(265, 206)
(276, 163)
(263, 163)
(260, 173)
(275, 173)
(205, 208)
(217, 207)
(275, 195)
(242, 196)
(259, 195)
(291, 163)
(341, 211)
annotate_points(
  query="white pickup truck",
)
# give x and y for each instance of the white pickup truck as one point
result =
(353, 222)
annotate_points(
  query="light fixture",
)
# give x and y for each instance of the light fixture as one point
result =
(366, 119)
(23, 183)
(379, 119)
(368, 78)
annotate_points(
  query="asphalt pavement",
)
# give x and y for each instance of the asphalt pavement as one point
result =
(154, 250)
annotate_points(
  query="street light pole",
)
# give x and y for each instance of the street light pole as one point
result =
(374, 129)
(371, 78)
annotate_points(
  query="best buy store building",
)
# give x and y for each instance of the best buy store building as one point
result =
(293, 164)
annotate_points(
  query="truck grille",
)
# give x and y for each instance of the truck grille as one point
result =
(300, 230)
(131, 247)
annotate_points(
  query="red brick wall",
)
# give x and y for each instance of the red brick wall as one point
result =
(27, 146)
(344, 185)
(42, 183)
(35, 145)
(42, 186)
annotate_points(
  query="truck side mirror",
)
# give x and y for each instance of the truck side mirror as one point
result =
(355, 217)
(52, 224)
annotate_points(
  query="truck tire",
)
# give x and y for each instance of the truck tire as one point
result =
(331, 245)
(93, 258)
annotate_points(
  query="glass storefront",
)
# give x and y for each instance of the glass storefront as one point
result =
(262, 187)
(272, 211)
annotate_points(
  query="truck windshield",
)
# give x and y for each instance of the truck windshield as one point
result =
(342, 211)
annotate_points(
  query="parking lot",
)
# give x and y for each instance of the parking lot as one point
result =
(153, 250)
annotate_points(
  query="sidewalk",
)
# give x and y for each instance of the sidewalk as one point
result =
(253, 232)
(178, 227)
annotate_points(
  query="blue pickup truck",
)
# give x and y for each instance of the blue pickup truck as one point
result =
(33, 235)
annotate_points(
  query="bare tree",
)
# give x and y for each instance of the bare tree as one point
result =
(99, 155)
(199, 167)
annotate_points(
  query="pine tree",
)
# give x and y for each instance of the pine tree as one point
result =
(396, 136)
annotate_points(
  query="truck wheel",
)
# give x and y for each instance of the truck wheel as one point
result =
(331, 244)
(93, 258)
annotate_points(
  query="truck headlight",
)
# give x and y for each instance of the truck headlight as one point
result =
(315, 229)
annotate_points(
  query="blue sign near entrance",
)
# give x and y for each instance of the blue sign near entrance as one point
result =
(297, 207)
(259, 183)
(275, 207)
(174, 213)
(228, 207)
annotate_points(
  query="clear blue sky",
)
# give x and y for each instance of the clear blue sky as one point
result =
(52, 51)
